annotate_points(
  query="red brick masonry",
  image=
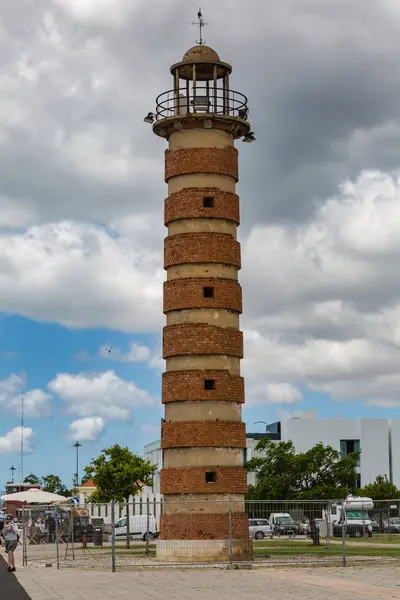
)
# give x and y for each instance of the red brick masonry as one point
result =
(203, 527)
(200, 338)
(192, 480)
(188, 204)
(179, 386)
(201, 248)
(206, 434)
(185, 161)
(189, 293)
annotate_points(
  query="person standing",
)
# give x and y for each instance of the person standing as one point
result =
(2, 520)
(10, 535)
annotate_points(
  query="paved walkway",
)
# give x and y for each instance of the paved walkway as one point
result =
(361, 583)
(10, 588)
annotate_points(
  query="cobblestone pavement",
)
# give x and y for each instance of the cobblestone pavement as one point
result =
(355, 583)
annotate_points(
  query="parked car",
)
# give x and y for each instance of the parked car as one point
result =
(282, 524)
(393, 525)
(375, 526)
(354, 530)
(260, 529)
(303, 528)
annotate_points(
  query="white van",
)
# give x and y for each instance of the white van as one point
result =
(137, 528)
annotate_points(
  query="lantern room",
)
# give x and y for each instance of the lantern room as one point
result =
(201, 96)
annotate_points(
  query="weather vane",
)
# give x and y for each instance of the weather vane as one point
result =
(200, 23)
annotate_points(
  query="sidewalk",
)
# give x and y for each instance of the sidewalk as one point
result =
(10, 588)
(361, 583)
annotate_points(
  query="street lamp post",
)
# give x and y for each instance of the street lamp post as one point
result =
(77, 445)
(12, 469)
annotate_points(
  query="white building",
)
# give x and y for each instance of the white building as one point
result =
(154, 454)
(377, 439)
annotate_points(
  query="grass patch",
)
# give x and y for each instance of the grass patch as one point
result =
(333, 550)
(380, 538)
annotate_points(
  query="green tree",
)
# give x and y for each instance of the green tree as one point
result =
(318, 474)
(380, 489)
(119, 474)
(54, 485)
(33, 479)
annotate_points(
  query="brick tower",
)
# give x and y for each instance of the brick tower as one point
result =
(203, 436)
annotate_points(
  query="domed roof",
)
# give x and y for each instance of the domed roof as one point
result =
(200, 53)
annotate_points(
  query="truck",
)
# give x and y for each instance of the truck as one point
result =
(350, 517)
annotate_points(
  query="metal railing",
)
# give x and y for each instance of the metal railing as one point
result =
(202, 100)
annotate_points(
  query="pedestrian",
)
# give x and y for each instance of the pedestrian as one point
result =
(1, 527)
(10, 535)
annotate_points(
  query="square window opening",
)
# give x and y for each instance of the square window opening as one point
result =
(209, 384)
(208, 292)
(211, 477)
(208, 202)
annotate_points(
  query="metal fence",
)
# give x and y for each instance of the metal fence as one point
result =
(210, 532)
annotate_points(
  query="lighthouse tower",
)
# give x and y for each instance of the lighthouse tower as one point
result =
(203, 437)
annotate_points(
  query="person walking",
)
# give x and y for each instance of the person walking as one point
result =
(10, 535)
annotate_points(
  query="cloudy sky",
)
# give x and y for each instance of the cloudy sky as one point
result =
(81, 213)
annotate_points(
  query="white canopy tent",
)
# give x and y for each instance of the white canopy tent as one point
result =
(34, 496)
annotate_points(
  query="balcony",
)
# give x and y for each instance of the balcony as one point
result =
(202, 100)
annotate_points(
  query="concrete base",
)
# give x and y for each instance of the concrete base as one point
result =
(201, 551)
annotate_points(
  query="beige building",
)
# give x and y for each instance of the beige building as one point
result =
(85, 490)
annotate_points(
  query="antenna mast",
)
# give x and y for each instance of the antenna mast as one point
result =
(200, 23)
(22, 438)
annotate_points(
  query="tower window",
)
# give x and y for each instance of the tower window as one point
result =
(209, 384)
(208, 292)
(208, 201)
(211, 477)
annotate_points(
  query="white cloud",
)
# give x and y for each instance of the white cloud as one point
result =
(37, 403)
(156, 361)
(282, 393)
(326, 311)
(322, 299)
(105, 12)
(102, 395)
(337, 257)
(15, 214)
(87, 429)
(81, 276)
(136, 353)
(11, 441)
(10, 387)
